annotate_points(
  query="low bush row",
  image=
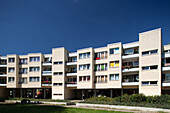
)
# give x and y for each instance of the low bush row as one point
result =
(162, 101)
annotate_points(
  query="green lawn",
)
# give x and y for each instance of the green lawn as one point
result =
(18, 108)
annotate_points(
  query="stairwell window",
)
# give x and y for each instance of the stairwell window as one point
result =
(60, 62)
(114, 51)
(150, 52)
(150, 83)
(114, 76)
(150, 67)
(58, 73)
(57, 84)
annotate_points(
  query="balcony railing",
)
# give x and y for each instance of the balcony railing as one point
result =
(3, 63)
(3, 73)
(167, 64)
(46, 82)
(129, 67)
(71, 82)
(46, 72)
(2, 82)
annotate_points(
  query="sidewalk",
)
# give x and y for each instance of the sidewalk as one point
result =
(145, 109)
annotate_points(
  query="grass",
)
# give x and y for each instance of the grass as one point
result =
(19, 108)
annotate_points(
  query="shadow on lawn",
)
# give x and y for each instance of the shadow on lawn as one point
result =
(31, 108)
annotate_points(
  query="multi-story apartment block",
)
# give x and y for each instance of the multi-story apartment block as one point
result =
(113, 70)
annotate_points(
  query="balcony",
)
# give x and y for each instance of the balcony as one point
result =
(3, 64)
(47, 73)
(130, 83)
(130, 68)
(46, 83)
(71, 84)
(47, 63)
(130, 80)
(71, 63)
(130, 53)
(71, 73)
(3, 74)
(3, 83)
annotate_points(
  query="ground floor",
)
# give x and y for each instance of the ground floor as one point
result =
(77, 94)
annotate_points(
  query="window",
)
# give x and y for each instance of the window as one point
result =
(114, 51)
(84, 55)
(23, 71)
(34, 59)
(34, 79)
(11, 79)
(114, 64)
(150, 67)
(34, 69)
(153, 51)
(101, 79)
(129, 51)
(23, 80)
(57, 84)
(149, 82)
(72, 59)
(11, 69)
(145, 53)
(114, 76)
(84, 78)
(100, 67)
(57, 94)
(23, 61)
(58, 73)
(101, 55)
(58, 62)
(11, 60)
(153, 67)
(149, 52)
(84, 67)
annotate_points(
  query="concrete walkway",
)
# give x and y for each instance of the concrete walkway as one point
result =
(144, 109)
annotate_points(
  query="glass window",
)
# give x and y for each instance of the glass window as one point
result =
(34, 79)
(11, 60)
(129, 51)
(145, 83)
(34, 59)
(116, 51)
(153, 67)
(11, 69)
(145, 53)
(145, 68)
(114, 76)
(154, 51)
(11, 79)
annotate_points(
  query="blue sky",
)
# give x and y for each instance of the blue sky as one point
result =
(29, 26)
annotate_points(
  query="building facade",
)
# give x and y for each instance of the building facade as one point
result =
(113, 70)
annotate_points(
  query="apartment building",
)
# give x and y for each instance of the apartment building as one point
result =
(113, 70)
